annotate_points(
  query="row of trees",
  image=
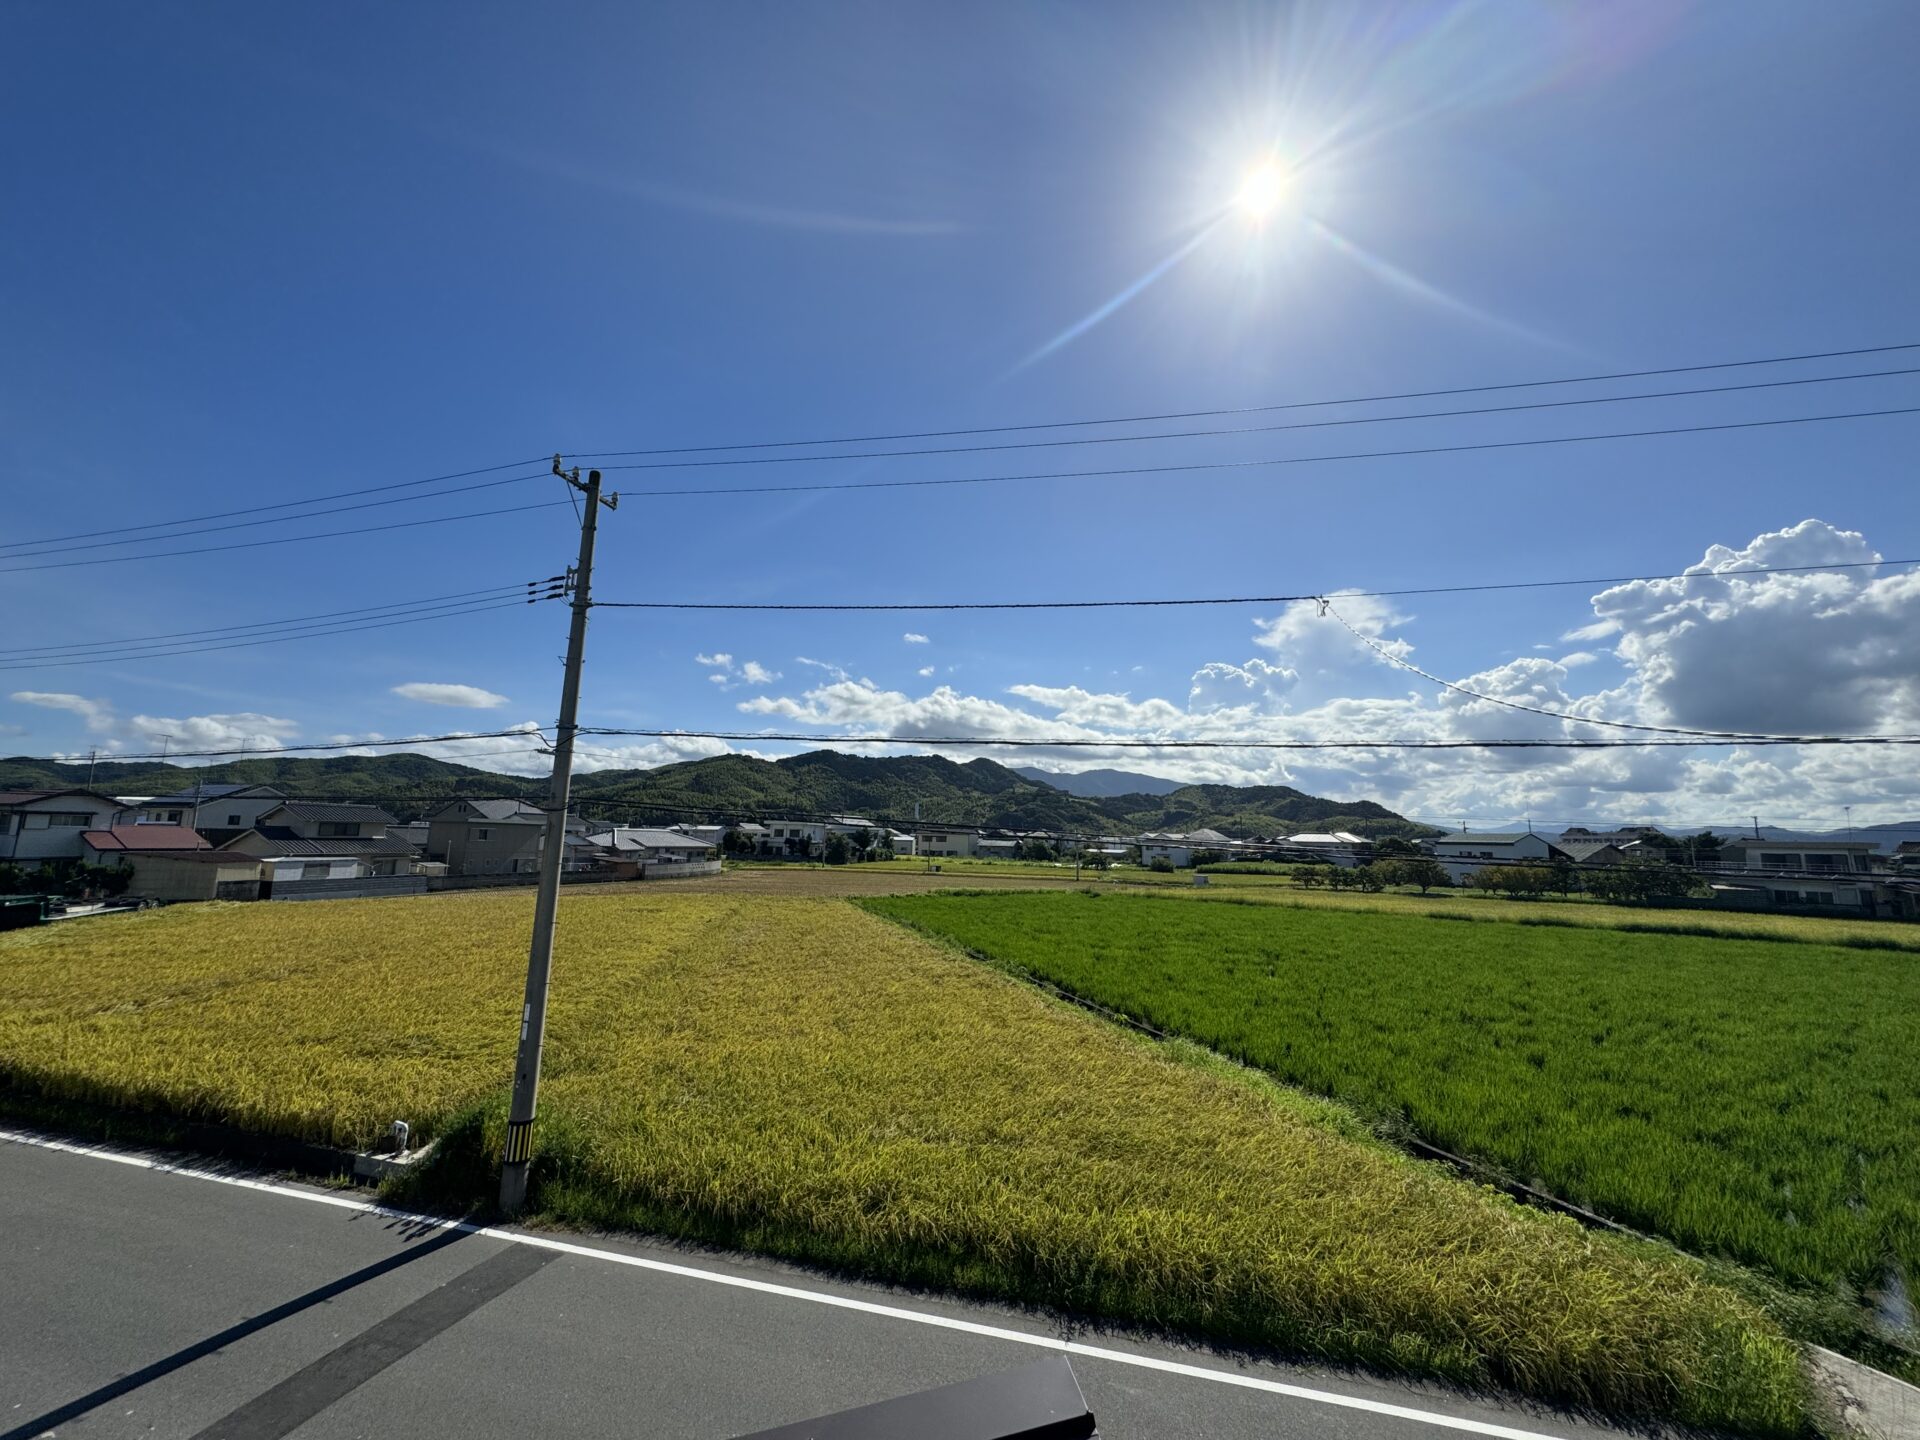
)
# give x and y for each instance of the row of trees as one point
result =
(1414, 871)
(1635, 882)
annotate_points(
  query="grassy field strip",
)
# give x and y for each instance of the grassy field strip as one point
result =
(806, 1080)
(1752, 1100)
(872, 878)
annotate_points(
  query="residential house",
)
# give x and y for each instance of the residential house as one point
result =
(636, 842)
(710, 834)
(42, 825)
(487, 837)
(903, 843)
(1340, 847)
(1797, 874)
(1465, 853)
(315, 840)
(997, 847)
(946, 842)
(1179, 849)
(218, 811)
(117, 844)
(1595, 851)
(173, 862)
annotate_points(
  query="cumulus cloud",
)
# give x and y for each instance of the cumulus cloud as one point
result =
(1822, 649)
(469, 697)
(727, 675)
(914, 637)
(97, 714)
(1218, 685)
(246, 730)
(1816, 650)
(924, 671)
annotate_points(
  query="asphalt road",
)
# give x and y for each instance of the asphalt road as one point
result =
(142, 1300)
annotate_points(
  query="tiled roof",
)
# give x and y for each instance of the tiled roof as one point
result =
(320, 810)
(1584, 849)
(286, 842)
(629, 837)
(135, 839)
(27, 797)
(502, 811)
(211, 792)
(1462, 837)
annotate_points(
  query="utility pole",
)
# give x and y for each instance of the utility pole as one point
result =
(533, 1015)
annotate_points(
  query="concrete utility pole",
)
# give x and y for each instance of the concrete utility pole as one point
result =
(533, 1015)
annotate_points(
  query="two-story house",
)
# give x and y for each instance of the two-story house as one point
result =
(1798, 873)
(1465, 853)
(41, 825)
(217, 811)
(311, 840)
(487, 837)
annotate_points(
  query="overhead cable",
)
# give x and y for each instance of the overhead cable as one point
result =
(123, 657)
(1221, 465)
(1384, 653)
(988, 742)
(1266, 409)
(50, 549)
(915, 606)
(77, 647)
(283, 539)
(1259, 429)
(282, 505)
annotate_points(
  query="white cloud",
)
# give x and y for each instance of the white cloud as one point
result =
(246, 730)
(1217, 684)
(97, 714)
(726, 674)
(827, 665)
(1598, 630)
(924, 671)
(914, 637)
(1826, 650)
(469, 697)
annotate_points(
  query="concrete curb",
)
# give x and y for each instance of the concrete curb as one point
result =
(1864, 1401)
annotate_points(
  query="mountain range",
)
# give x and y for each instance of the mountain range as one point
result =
(1099, 784)
(893, 789)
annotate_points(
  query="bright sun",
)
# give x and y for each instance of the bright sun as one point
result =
(1263, 191)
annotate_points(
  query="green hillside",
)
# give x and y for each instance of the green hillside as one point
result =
(740, 787)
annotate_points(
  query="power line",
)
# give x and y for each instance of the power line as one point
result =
(986, 742)
(308, 633)
(283, 539)
(397, 605)
(918, 606)
(283, 505)
(1256, 464)
(269, 752)
(1265, 429)
(1265, 409)
(51, 549)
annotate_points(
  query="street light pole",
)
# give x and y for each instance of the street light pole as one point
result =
(533, 1014)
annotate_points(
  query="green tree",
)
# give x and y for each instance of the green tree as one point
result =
(1309, 877)
(1394, 847)
(1034, 848)
(862, 841)
(838, 850)
(1416, 869)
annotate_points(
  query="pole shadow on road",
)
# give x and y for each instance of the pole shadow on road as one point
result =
(438, 1238)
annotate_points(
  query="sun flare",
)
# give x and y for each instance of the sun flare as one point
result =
(1264, 190)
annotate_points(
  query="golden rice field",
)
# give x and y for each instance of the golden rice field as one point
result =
(802, 1078)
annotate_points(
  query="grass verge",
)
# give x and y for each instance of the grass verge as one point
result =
(803, 1079)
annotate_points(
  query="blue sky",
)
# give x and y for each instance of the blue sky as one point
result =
(252, 254)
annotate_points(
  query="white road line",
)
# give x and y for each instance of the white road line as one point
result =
(791, 1292)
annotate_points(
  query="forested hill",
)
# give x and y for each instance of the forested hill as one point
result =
(978, 792)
